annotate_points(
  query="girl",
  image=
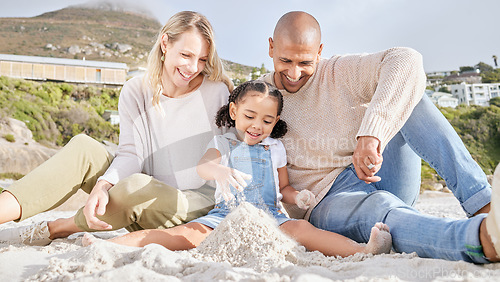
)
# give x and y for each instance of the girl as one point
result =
(166, 119)
(254, 109)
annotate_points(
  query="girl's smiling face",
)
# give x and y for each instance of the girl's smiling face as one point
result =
(184, 58)
(254, 116)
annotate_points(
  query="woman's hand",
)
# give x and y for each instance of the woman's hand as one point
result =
(305, 199)
(96, 204)
(225, 176)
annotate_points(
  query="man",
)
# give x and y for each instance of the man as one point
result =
(357, 125)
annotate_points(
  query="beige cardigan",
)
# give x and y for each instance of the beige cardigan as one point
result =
(348, 96)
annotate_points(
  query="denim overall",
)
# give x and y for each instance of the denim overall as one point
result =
(261, 191)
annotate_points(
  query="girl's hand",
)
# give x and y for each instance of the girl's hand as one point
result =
(225, 176)
(96, 204)
(305, 199)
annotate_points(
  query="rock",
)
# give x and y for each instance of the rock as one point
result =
(24, 154)
(50, 47)
(97, 45)
(437, 187)
(122, 48)
(118, 47)
(490, 178)
(74, 49)
(446, 190)
(105, 54)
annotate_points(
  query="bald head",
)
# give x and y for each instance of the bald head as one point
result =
(298, 28)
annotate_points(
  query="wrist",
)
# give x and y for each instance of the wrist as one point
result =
(104, 185)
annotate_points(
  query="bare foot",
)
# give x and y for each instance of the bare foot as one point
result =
(88, 239)
(380, 240)
(489, 230)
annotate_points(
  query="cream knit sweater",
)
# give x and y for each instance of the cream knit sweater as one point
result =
(348, 96)
(166, 145)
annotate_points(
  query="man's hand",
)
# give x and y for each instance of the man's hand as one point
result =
(96, 204)
(226, 176)
(367, 159)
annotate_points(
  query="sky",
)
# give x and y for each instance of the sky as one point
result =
(448, 33)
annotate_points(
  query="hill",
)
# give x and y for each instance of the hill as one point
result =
(99, 31)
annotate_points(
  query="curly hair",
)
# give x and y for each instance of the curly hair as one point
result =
(223, 119)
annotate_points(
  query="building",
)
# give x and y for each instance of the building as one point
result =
(436, 77)
(466, 76)
(443, 99)
(475, 94)
(63, 70)
(111, 116)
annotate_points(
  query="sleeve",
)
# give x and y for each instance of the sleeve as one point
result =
(221, 144)
(400, 85)
(129, 158)
(280, 155)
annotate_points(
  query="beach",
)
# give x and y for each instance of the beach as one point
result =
(242, 248)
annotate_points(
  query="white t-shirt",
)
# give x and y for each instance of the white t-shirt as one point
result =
(168, 142)
(278, 157)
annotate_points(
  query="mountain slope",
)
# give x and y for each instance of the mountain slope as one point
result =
(94, 34)
(99, 31)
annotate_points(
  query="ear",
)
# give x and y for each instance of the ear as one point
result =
(232, 110)
(271, 47)
(164, 42)
(276, 120)
(320, 50)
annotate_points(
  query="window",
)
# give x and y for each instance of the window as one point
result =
(98, 75)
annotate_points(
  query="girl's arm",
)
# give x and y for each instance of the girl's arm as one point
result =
(303, 199)
(289, 193)
(209, 165)
(210, 168)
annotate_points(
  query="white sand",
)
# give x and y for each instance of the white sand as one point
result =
(244, 247)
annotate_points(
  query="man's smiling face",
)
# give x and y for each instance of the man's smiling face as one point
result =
(294, 63)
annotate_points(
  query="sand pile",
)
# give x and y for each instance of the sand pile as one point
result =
(249, 237)
(247, 246)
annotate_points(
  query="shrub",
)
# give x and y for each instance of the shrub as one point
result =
(10, 138)
(11, 175)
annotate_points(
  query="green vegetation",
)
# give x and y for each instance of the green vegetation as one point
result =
(10, 138)
(55, 112)
(479, 129)
(491, 76)
(11, 175)
(444, 89)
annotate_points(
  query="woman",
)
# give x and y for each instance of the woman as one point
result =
(166, 120)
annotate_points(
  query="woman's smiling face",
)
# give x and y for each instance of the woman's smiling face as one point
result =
(184, 58)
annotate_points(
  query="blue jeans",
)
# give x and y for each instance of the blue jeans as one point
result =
(428, 135)
(351, 207)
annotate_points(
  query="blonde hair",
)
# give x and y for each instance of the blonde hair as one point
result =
(174, 28)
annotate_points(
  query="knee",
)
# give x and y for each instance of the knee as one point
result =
(128, 191)
(295, 228)
(84, 143)
(383, 200)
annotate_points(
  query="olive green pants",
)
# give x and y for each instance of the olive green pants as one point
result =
(136, 202)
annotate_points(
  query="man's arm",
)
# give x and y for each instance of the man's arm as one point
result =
(400, 86)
